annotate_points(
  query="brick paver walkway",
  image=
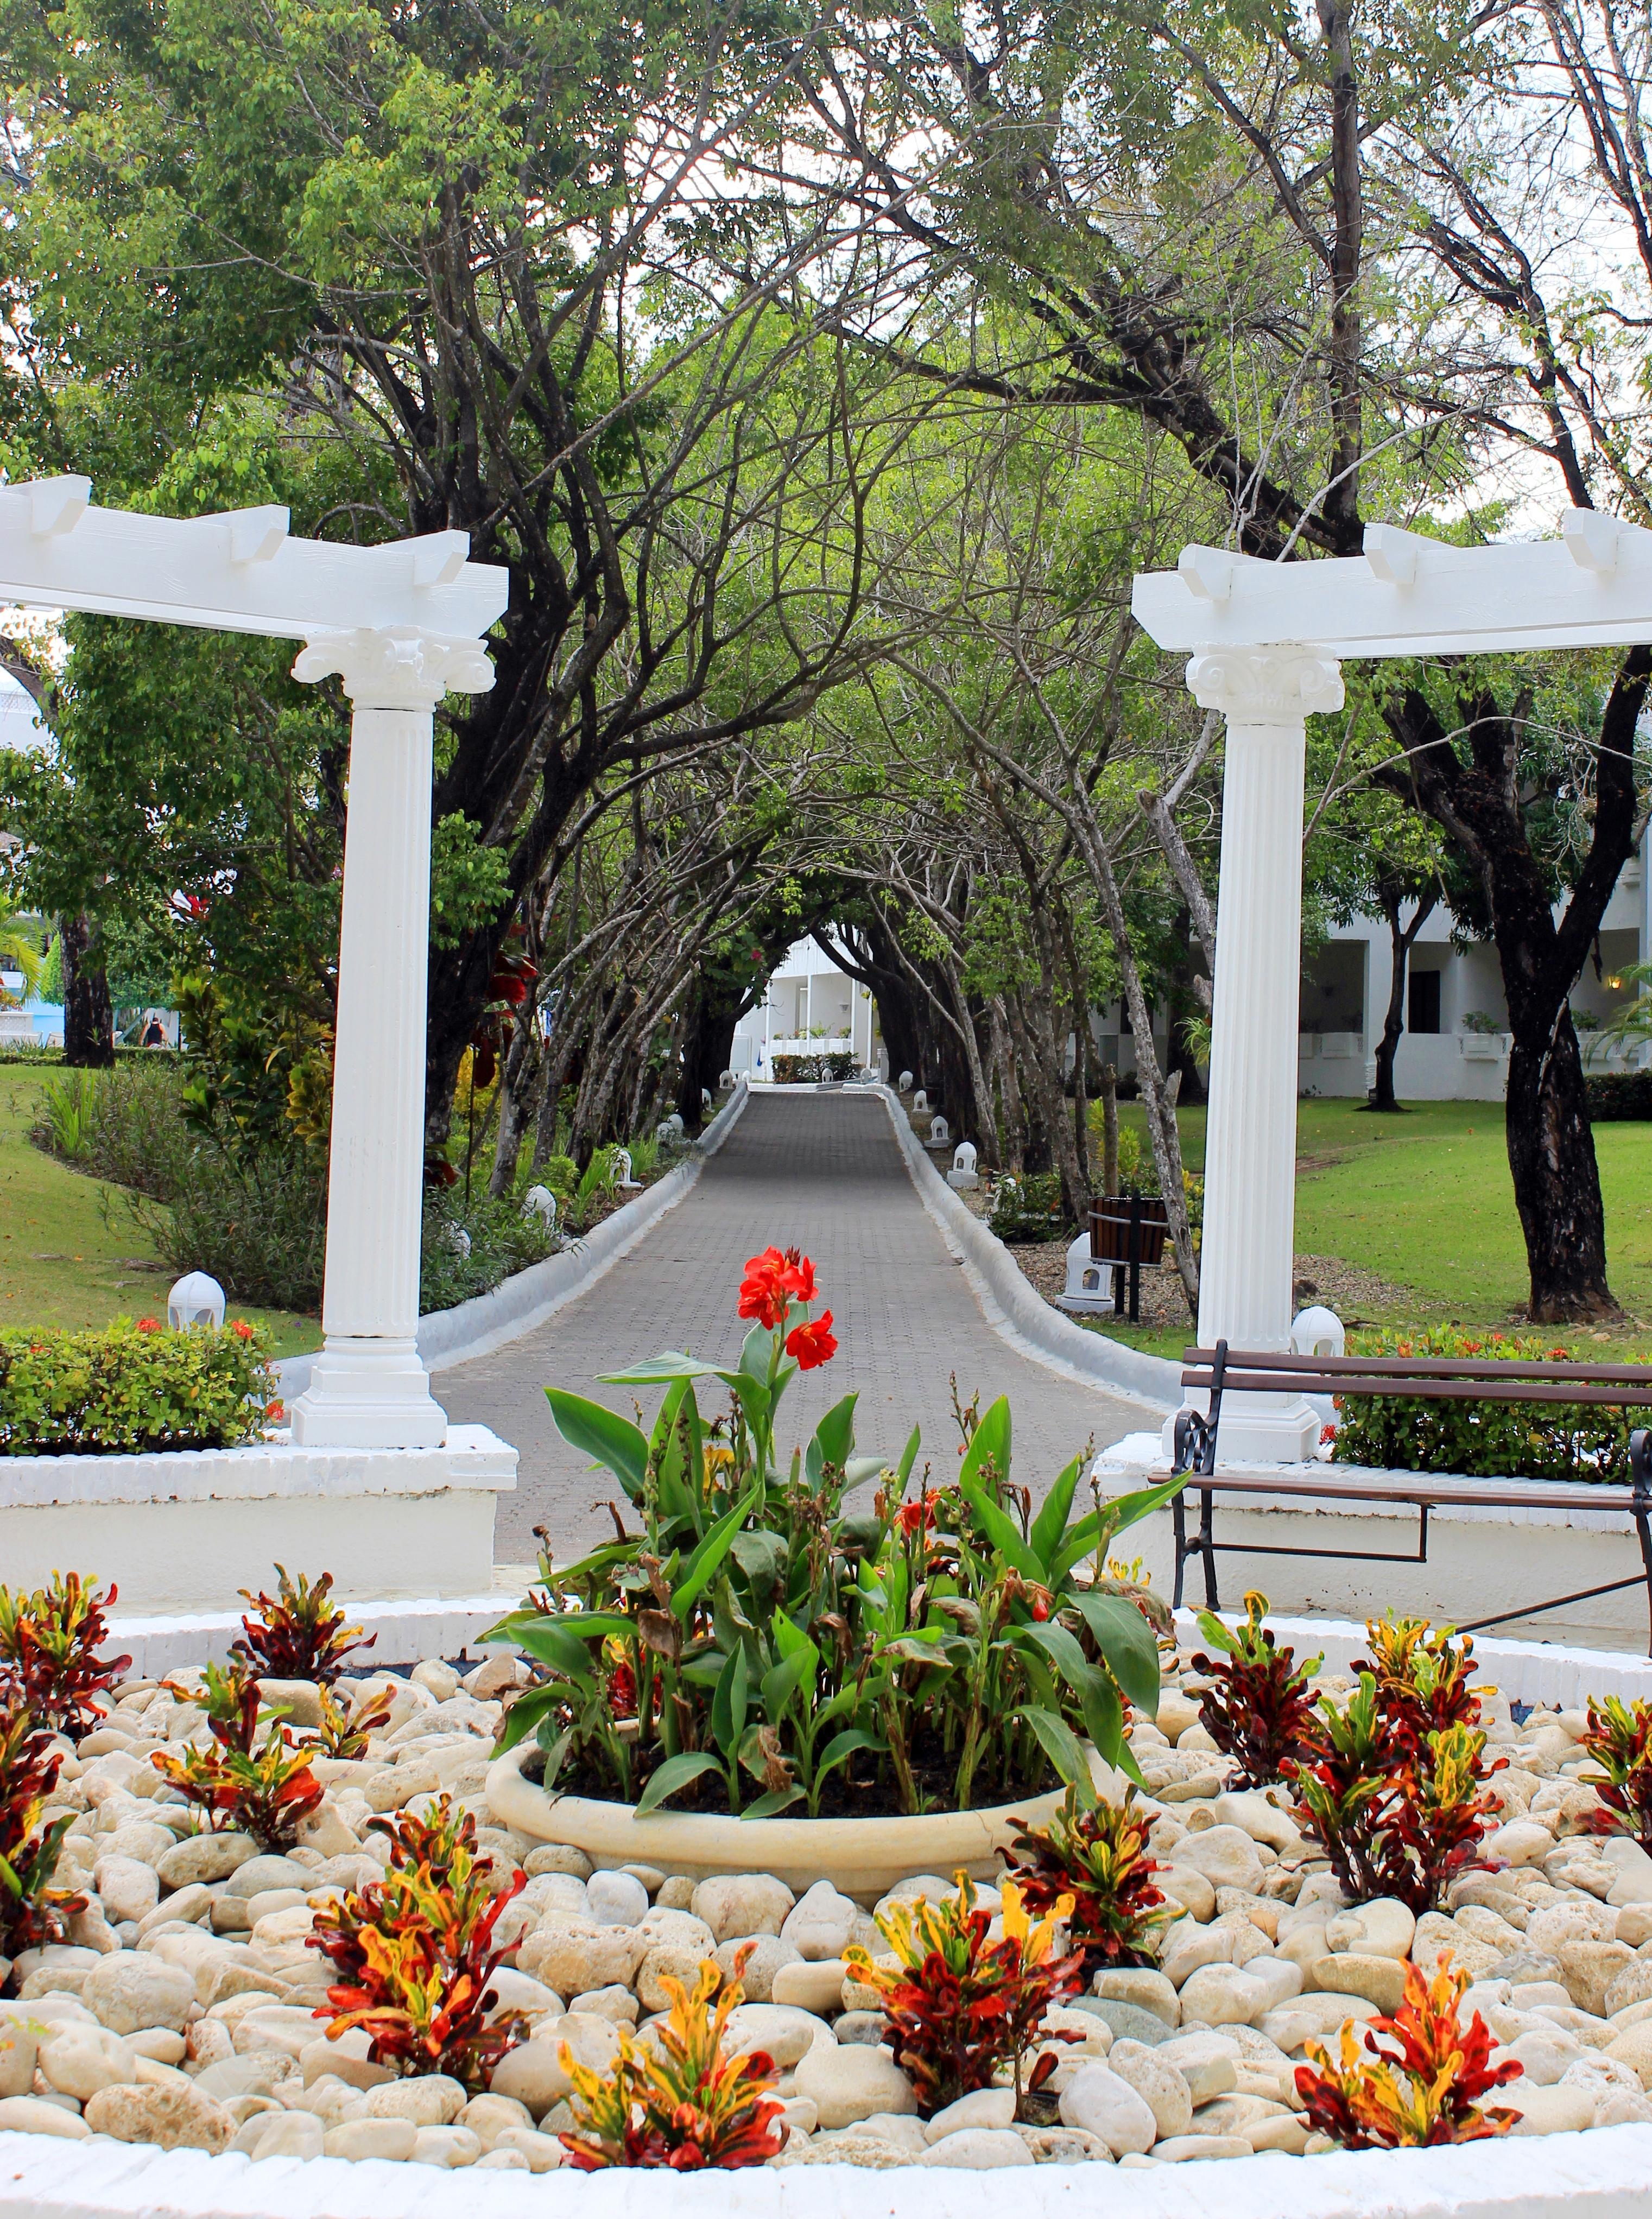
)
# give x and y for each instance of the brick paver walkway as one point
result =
(822, 1173)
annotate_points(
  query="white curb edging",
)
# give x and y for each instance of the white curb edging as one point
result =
(1605, 2173)
(1534, 1672)
(406, 1631)
(1015, 1309)
(527, 1299)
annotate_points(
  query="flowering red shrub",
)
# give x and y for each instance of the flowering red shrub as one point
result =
(958, 2006)
(681, 2102)
(263, 1791)
(298, 1634)
(1619, 1739)
(48, 1642)
(32, 1911)
(414, 1953)
(1425, 2090)
(1096, 1860)
(1260, 1709)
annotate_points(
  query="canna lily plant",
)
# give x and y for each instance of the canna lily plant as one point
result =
(752, 1644)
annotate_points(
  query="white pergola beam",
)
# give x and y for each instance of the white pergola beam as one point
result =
(1409, 595)
(238, 572)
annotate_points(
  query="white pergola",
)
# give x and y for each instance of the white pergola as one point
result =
(402, 625)
(1267, 641)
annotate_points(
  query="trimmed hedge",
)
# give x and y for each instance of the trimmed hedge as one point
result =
(1620, 1097)
(799, 1070)
(1497, 1440)
(132, 1388)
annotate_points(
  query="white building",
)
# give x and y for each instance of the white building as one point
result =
(811, 1008)
(1456, 1043)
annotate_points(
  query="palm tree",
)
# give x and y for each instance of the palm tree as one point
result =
(18, 953)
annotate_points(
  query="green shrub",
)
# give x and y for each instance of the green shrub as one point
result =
(130, 1388)
(70, 1103)
(1620, 1097)
(1026, 1206)
(1529, 1441)
(501, 1241)
(806, 1070)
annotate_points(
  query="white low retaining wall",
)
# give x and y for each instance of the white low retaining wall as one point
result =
(1604, 2174)
(1481, 1561)
(182, 1532)
(405, 1629)
(1530, 1672)
(1017, 1310)
(528, 1298)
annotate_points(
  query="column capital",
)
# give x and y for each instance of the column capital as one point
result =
(1266, 684)
(397, 668)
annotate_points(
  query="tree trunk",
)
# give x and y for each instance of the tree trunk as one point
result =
(88, 1020)
(1556, 1180)
(1401, 940)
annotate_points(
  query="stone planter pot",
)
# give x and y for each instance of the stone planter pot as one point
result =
(861, 1857)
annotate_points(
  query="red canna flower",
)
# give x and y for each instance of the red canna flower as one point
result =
(915, 1517)
(799, 1278)
(812, 1345)
(763, 1289)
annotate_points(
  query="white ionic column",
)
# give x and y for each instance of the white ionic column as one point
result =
(1245, 1271)
(368, 1389)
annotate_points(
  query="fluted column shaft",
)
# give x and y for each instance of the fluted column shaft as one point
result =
(1245, 1268)
(368, 1388)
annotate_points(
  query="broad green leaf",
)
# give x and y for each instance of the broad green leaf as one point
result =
(1000, 1528)
(844, 1745)
(1126, 1639)
(655, 1370)
(860, 1468)
(1082, 1538)
(835, 1431)
(525, 1713)
(728, 1705)
(556, 1749)
(770, 1805)
(781, 1681)
(674, 1773)
(761, 1557)
(790, 1639)
(909, 1458)
(1062, 1647)
(1061, 1746)
(707, 1559)
(1104, 1716)
(990, 1440)
(599, 1433)
(1216, 1633)
(755, 1351)
(1052, 1520)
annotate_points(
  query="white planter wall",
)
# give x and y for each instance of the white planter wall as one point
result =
(1604, 2174)
(183, 1532)
(1481, 1561)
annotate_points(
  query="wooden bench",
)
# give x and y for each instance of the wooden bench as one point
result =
(1220, 1369)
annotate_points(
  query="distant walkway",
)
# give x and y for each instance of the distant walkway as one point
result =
(818, 1171)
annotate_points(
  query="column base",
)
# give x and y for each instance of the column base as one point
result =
(1260, 1429)
(368, 1393)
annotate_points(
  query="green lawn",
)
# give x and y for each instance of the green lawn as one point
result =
(1423, 1201)
(70, 1254)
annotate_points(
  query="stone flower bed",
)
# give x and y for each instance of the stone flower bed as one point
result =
(186, 2007)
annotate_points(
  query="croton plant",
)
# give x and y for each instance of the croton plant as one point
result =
(752, 1644)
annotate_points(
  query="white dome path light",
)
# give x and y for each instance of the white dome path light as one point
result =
(1317, 1331)
(1088, 1288)
(1267, 641)
(197, 1300)
(963, 1174)
(539, 1201)
(402, 625)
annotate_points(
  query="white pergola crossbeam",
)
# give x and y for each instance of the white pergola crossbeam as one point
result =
(1409, 596)
(237, 572)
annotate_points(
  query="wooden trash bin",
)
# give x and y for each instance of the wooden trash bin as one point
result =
(1128, 1230)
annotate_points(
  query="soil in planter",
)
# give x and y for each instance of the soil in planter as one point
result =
(849, 1792)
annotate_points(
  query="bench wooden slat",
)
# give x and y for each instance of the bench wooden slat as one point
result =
(1411, 1495)
(1420, 1367)
(1241, 1378)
